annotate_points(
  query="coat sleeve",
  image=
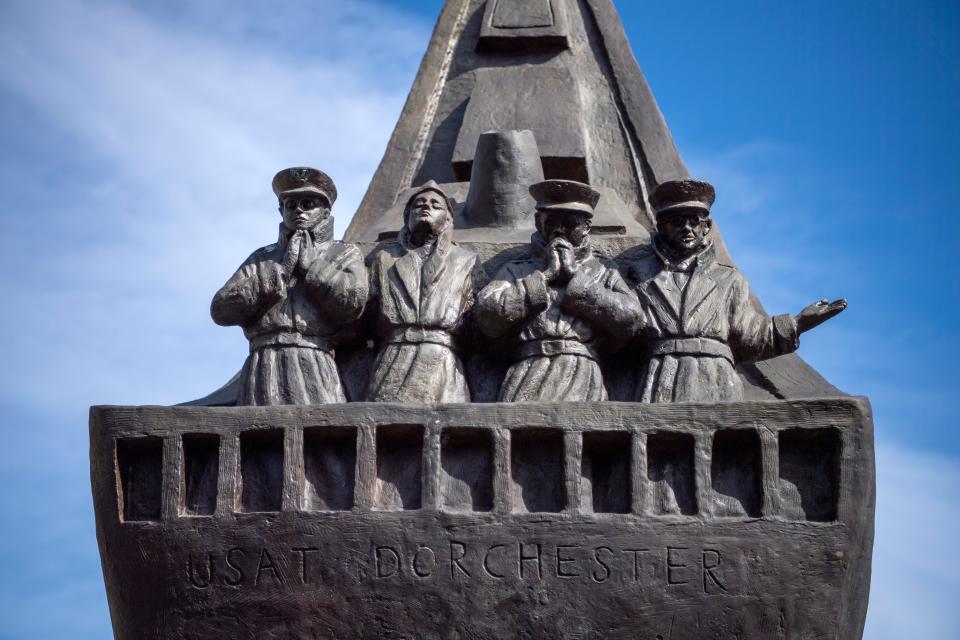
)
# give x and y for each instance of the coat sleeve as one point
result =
(509, 300)
(467, 329)
(602, 297)
(753, 334)
(256, 286)
(338, 283)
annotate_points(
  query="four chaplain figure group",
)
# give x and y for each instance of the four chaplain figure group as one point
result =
(682, 305)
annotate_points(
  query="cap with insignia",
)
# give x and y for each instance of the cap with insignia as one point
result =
(677, 195)
(303, 181)
(565, 195)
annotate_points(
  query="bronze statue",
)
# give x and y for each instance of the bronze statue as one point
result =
(558, 305)
(295, 298)
(699, 319)
(421, 293)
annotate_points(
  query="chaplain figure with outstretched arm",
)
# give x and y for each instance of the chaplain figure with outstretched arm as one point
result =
(698, 317)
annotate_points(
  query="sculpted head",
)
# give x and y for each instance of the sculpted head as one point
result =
(427, 212)
(685, 231)
(305, 197)
(303, 212)
(564, 210)
(682, 208)
(573, 226)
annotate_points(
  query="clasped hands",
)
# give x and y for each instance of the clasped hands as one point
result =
(561, 264)
(300, 256)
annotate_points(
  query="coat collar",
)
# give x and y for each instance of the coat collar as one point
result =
(683, 304)
(685, 264)
(321, 233)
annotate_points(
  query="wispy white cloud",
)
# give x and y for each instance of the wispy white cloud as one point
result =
(179, 118)
(915, 583)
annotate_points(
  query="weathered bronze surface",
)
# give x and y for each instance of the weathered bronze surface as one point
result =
(295, 299)
(423, 291)
(607, 520)
(529, 396)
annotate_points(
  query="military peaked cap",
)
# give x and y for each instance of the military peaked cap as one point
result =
(565, 195)
(303, 181)
(683, 194)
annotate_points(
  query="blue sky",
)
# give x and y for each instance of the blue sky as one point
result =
(137, 141)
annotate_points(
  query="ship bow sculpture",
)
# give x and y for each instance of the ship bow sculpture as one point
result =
(528, 395)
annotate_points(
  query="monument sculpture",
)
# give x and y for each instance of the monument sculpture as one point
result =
(447, 427)
(422, 292)
(697, 317)
(293, 298)
(561, 302)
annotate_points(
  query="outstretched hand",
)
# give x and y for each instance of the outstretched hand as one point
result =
(818, 313)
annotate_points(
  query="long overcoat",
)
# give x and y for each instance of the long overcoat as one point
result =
(556, 332)
(699, 320)
(420, 314)
(293, 326)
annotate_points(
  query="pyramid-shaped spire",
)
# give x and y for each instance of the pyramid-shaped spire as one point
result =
(561, 69)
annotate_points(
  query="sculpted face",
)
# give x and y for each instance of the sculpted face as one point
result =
(571, 225)
(427, 213)
(684, 231)
(303, 211)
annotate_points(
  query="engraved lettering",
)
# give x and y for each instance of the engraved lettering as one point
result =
(379, 557)
(486, 562)
(304, 554)
(675, 565)
(597, 577)
(711, 561)
(416, 565)
(563, 560)
(233, 566)
(265, 555)
(636, 561)
(455, 559)
(197, 580)
(536, 558)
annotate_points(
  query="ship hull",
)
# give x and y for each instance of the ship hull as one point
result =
(597, 520)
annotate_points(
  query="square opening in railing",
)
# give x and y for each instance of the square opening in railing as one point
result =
(605, 470)
(736, 472)
(261, 470)
(810, 474)
(399, 484)
(466, 469)
(201, 470)
(330, 462)
(537, 471)
(670, 474)
(140, 474)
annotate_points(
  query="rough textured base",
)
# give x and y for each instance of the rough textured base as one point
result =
(621, 520)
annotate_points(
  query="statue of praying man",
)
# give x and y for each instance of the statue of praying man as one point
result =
(559, 305)
(698, 319)
(295, 298)
(422, 291)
